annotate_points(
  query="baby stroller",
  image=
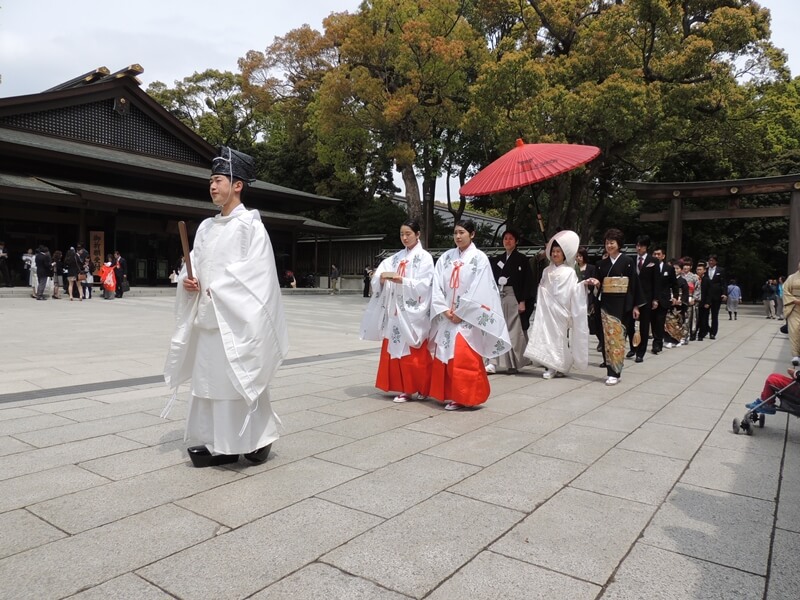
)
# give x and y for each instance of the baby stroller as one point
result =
(786, 399)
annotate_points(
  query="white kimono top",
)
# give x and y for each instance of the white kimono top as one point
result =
(234, 260)
(463, 281)
(400, 313)
(559, 335)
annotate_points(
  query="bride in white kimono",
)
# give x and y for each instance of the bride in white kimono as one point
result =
(399, 315)
(559, 335)
(467, 324)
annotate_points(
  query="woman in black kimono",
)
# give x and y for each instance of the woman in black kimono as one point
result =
(620, 295)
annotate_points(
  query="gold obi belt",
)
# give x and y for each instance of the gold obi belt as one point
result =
(615, 285)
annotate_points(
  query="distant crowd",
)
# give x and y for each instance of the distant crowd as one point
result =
(72, 274)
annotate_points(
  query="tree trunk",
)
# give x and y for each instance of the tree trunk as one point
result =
(412, 194)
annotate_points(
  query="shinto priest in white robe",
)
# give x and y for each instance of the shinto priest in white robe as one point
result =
(463, 282)
(559, 335)
(230, 337)
(399, 315)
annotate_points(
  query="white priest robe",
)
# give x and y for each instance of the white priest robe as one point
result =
(400, 313)
(559, 335)
(231, 337)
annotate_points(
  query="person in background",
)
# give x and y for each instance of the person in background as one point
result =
(467, 323)
(587, 271)
(693, 281)
(514, 278)
(704, 304)
(74, 267)
(43, 264)
(666, 289)
(399, 316)
(734, 297)
(560, 332)
(779, 298)
(82, 253)
(107, 279)
(88, 281)
(791, 309)
(29, 264)
(4, 264)
(231, 334)
(120, 272)
(716, 293)
(768, 299)
(334, 280)
(367, 279)
(647, 274)
(674, 328)
(58, 276)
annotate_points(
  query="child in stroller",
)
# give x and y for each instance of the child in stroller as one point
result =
(780, 393)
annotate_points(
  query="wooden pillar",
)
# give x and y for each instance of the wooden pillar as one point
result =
(794, 231)
(675, 228)
(82, 228)
(294, 251)
(316, 255)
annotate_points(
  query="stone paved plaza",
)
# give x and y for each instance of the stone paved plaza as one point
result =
(560, 489)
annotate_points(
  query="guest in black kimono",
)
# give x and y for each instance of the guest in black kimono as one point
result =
(667, 289)
(647, 273)
(620, 298)
(514, 277)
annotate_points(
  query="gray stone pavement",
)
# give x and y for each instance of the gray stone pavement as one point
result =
(560, 489)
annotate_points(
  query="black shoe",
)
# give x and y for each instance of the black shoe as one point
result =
(260, 455)
(602, 365)
(599, 348)
(201, 457)
(692, 338)
(631, 354)
(700, 339)
(639, 359)
(713, 337)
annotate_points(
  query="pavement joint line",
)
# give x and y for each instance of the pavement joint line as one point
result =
(71, 390)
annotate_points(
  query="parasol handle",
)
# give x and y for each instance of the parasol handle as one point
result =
(185, 246)
(539, 215)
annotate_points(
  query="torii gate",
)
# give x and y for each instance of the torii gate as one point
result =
(732, 189)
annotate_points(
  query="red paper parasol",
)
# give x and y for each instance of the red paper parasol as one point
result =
(527, 164)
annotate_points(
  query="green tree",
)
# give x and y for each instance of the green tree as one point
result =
(398, 91)
(211, 103)
(648, 81)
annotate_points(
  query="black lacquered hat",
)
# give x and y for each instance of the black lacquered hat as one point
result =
(234, 164)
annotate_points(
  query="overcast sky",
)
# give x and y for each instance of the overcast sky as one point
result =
(46, 42)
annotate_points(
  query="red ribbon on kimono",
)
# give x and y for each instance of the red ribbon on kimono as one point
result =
(455, 280)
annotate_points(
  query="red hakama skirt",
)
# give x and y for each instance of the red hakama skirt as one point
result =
(409, 374)
(463, 379)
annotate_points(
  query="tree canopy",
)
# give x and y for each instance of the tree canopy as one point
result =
(669, 90)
